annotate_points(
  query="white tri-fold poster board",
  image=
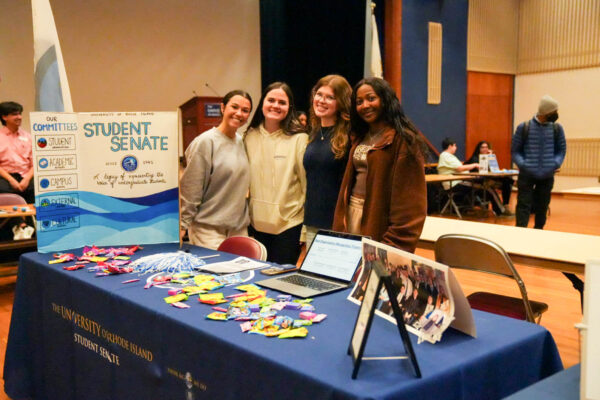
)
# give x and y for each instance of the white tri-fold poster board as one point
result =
(106, 178)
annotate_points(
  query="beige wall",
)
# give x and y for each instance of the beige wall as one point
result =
(493, 36)
(131, 55)
(576, 92)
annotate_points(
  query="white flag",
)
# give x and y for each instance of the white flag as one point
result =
(376, 68)
(51, 86)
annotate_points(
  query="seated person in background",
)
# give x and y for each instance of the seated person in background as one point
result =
(16, 159)
(504, 183)
(448, 164)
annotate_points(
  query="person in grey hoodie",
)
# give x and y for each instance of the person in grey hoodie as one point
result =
(215, 183)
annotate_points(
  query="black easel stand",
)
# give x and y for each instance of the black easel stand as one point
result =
(378, 278)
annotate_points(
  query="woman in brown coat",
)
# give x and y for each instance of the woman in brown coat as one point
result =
(383, 193)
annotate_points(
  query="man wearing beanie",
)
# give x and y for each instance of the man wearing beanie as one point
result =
(538, 149)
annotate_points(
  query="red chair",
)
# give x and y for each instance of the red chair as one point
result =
(479, 254)
(11, 199)
(244, 246)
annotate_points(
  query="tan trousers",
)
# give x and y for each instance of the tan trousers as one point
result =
(211, 237)
(354, 214)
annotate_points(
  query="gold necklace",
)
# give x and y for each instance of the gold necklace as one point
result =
(372, 138)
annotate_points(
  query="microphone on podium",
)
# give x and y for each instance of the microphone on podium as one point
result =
(211, 88)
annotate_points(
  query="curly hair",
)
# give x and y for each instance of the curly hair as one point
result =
(342, 90)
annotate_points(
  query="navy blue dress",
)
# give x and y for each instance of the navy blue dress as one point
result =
(323, 180)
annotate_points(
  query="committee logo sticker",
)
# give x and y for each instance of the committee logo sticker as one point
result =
(129, 163)
(43, 163)
(42, 142)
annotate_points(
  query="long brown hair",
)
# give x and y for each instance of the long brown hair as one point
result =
(289, 124)
(342, 90)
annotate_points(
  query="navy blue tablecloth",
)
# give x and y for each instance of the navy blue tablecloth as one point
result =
(76, 336)
(563, 385)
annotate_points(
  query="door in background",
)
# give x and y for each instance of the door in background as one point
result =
(490, 113)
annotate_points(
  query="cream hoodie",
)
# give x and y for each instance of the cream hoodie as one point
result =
(277, 179)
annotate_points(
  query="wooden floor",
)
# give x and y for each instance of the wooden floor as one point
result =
(568, 214)
(576, 214)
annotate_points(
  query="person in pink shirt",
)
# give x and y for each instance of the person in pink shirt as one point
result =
(16, 160)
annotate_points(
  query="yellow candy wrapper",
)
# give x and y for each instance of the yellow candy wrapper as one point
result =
(191, 290)
(217, 316)
(293, 333)
(176, 298)
(277, 332)
(212, 296)
(209, 285)
(198, 279)
(98, 259)
(303, 301)
(247, 288)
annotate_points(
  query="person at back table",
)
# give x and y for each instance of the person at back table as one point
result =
(505, 183)
(449, 164)
(538, 154)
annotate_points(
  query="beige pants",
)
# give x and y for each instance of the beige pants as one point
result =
(354, 214)
(210, 236)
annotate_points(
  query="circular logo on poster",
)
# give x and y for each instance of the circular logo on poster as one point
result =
(46, 223)
(44, 183)
(129, 163)
(44, 203)
(42, 142)
(43, 163)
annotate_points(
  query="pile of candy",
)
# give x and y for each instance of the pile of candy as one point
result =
(109, 261)
(257, 312)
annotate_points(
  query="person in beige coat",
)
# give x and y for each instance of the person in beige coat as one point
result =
(275, 145)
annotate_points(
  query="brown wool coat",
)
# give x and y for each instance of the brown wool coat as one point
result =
(396, 194)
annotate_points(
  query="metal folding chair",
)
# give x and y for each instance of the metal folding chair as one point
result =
(479, 254)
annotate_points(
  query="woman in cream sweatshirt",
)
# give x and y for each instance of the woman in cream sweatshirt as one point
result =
(275, 145)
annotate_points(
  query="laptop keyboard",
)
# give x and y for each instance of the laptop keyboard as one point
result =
(305, 281)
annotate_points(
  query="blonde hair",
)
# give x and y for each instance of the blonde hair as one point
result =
(342, 91)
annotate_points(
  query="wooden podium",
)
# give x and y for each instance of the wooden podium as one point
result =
(199, 114)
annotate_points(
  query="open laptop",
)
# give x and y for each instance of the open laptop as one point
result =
(329, 265)
(493, 163)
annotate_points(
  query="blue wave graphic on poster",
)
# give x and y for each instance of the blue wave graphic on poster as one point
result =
(73, 219)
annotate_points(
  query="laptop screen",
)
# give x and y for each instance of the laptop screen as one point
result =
(335, 256)
(493, 163)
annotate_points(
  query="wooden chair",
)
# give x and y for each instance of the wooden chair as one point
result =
(244, 246)
(479, 254)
